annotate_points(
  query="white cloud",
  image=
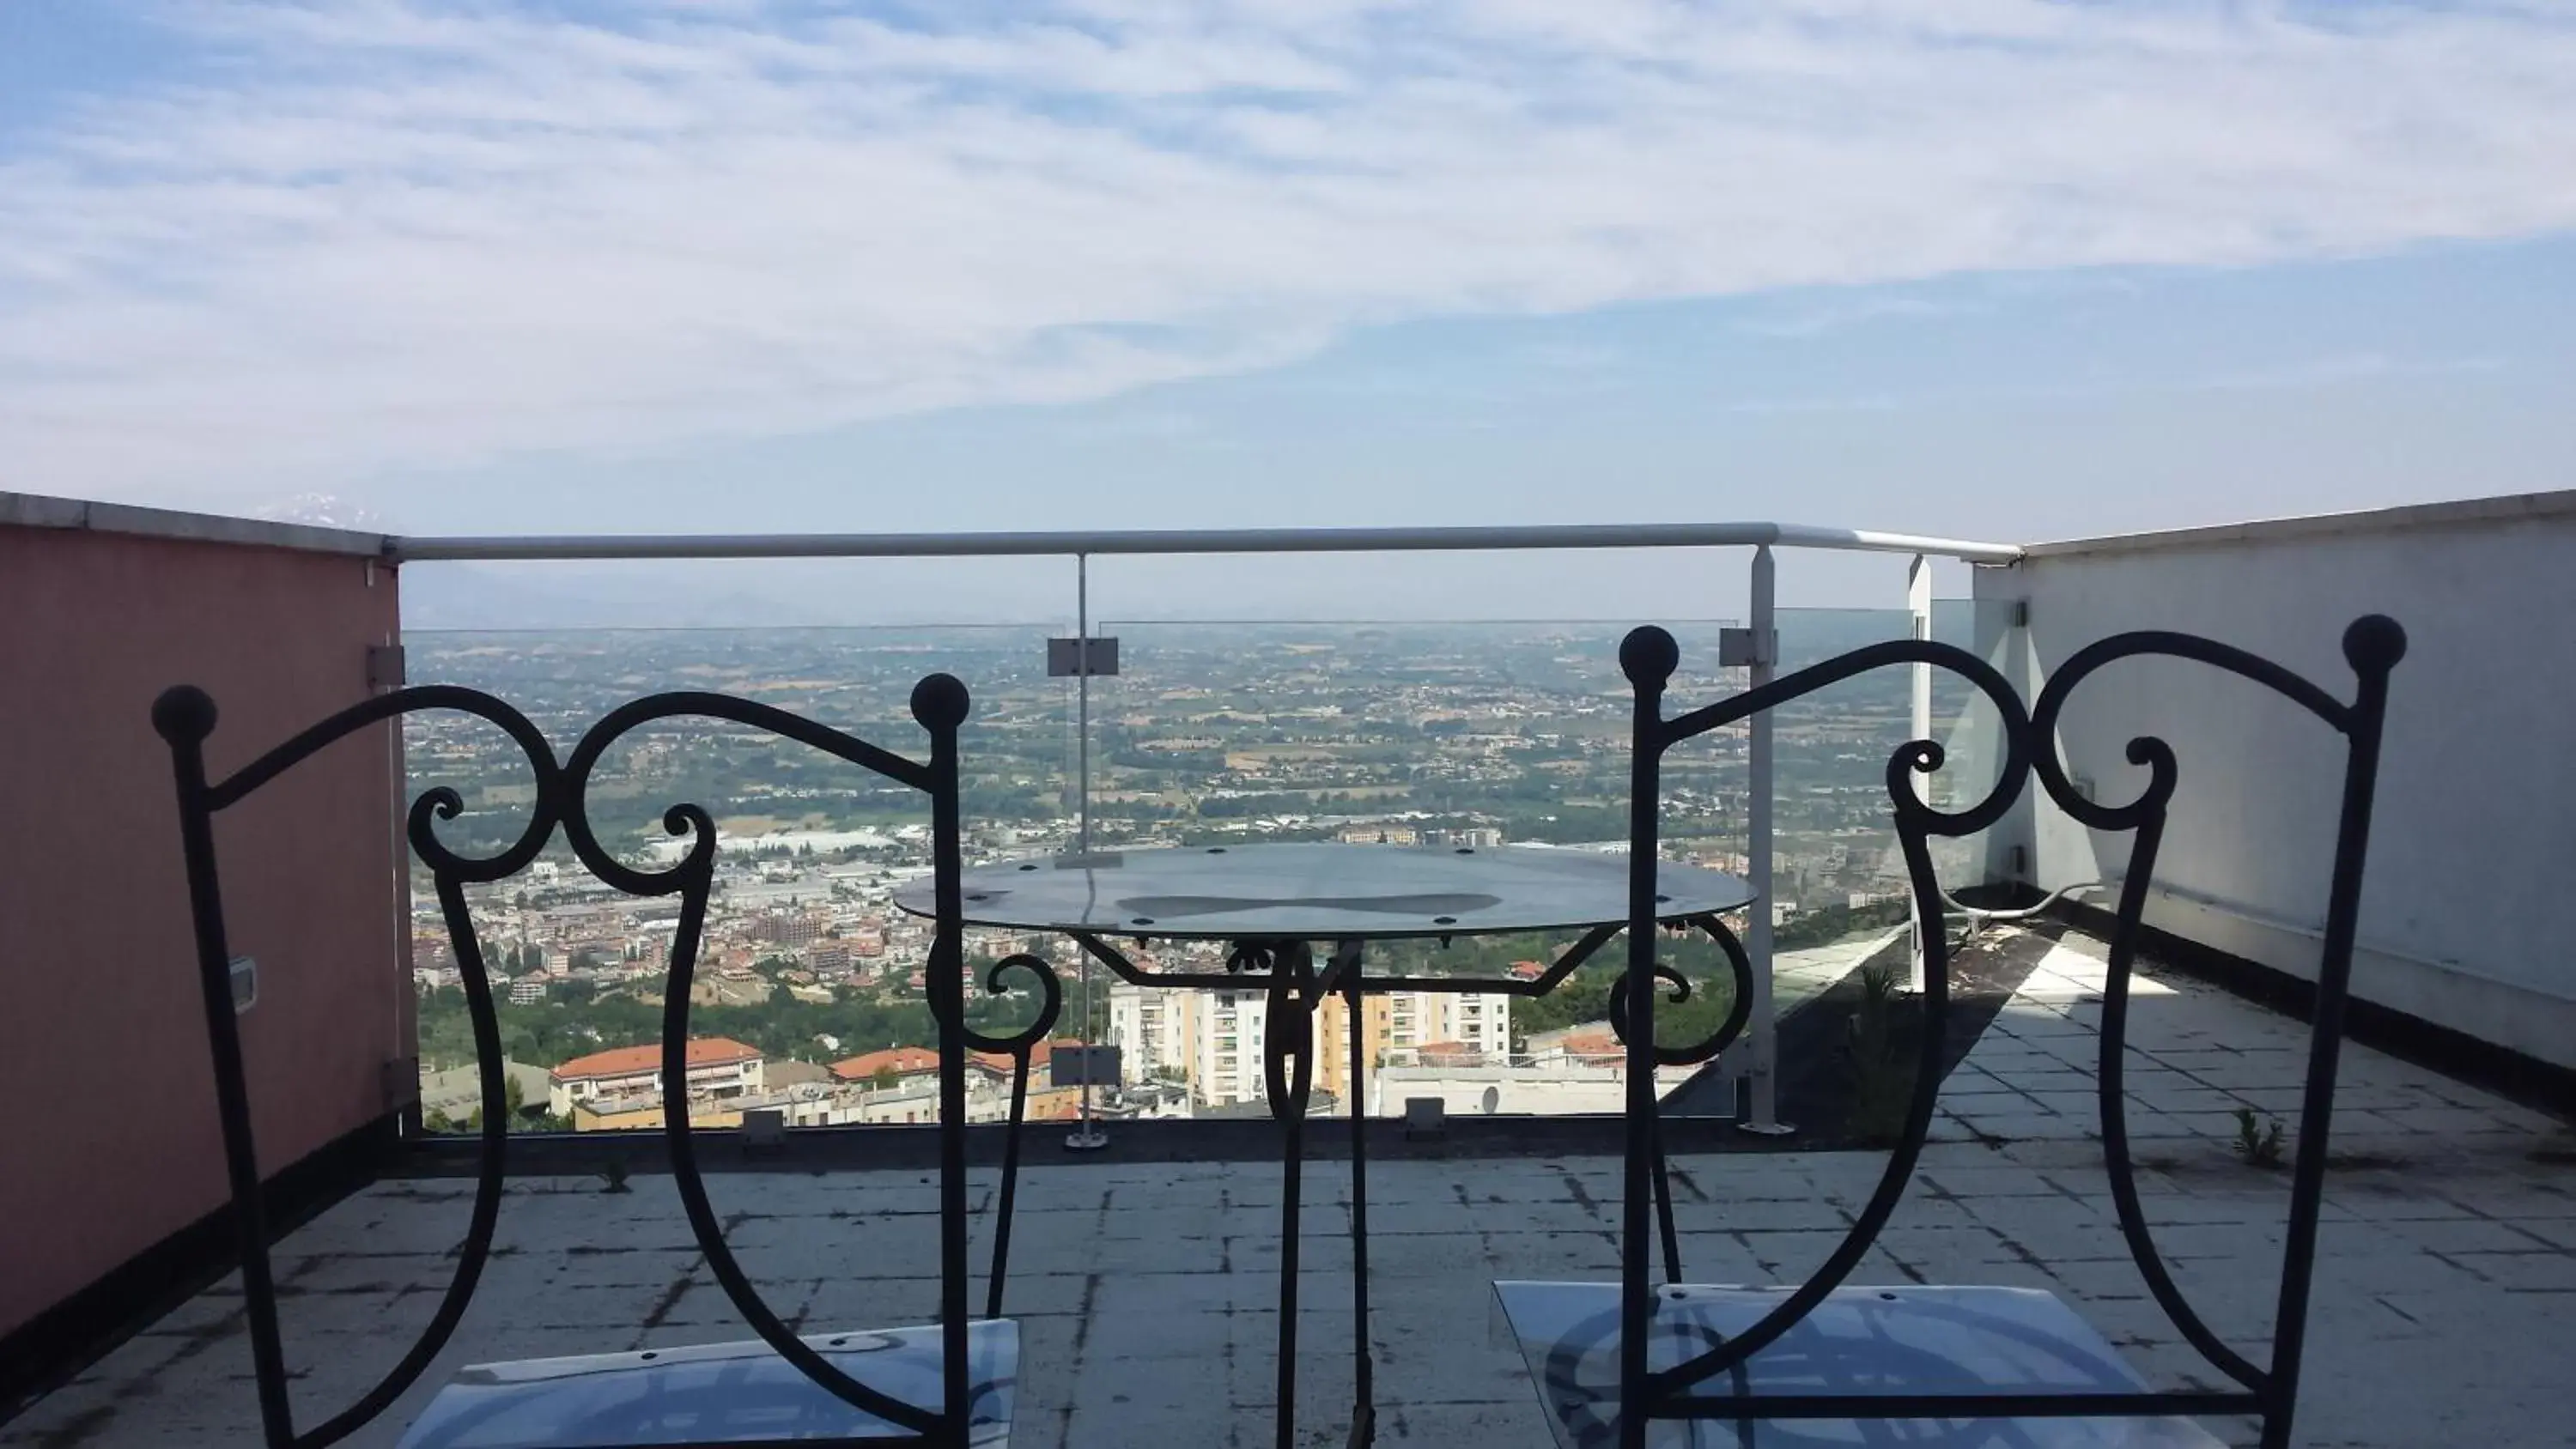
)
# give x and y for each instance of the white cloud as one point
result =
(1836, 316)
(387, 233)
(2337, 369)
(2308, 374)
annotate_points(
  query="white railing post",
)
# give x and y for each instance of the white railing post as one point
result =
(1762, 1114)
(1918, 602)
(1086, 1137)
(1082, 737)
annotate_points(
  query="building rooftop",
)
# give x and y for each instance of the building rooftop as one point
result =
(902, 1060)
(705, 1051)
(1145, 1289)
(1041, 1055)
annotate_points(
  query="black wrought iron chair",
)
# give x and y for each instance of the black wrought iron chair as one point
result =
(185, 718)
(1637, 1363)
(949, 1384)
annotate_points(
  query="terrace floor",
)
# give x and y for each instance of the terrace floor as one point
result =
(1146, 1292)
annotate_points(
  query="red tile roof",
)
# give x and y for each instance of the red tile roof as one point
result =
(1039, 1056)
(1055, 1104)
(630, 1061)
(1593, 1044)
(907, 1061)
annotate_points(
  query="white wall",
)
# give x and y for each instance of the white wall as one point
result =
(1549, 1091)
(2470, 894)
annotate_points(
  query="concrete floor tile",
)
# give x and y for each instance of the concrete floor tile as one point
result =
(2550, 1273)
(1147, 1292)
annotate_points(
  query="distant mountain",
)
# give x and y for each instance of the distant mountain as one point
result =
(501, 596)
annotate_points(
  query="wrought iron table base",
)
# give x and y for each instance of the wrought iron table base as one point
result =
(1288, 1052)
(1275, 903)
(1294, 990)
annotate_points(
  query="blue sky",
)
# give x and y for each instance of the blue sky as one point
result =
(1976, 267)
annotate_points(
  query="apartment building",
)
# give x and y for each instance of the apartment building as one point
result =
(718, 1067)
(1215, 1040)
(1152, 1029)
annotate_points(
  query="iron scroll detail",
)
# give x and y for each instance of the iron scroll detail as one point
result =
(1739, 1007)
(1018, 1046)
(939, 704)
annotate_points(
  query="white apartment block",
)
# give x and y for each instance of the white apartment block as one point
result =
(1225, 1056)
(1215, 1039)
(1479, 1021)
(1151, 1029)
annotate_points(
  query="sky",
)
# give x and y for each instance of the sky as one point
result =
(1977, 268)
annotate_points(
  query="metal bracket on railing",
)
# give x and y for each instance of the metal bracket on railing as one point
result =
(1743, 648)
(1066, 658)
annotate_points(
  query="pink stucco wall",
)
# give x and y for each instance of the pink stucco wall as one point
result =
(112, 1139)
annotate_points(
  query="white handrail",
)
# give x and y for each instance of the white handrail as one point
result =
(1186, 541)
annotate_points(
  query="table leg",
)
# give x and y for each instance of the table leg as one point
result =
(1288, 1024)
(1664, 1201)
(1364, 1404)
(1293, 1185)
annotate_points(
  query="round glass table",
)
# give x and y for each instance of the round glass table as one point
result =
(1325, 892)
(1275, 903)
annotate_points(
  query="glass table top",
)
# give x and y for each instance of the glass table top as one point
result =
(720, 1393)
(1911, 1340)
(1323, 891)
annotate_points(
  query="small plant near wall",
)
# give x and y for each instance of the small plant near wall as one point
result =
(2257, 1144)
(1882, 1076)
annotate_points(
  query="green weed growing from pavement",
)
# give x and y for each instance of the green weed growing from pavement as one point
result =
(2257, 1144)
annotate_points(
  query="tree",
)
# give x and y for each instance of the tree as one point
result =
(885, 1078)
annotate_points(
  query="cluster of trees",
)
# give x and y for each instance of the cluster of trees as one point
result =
(1585, 996)
(576, 1021)
(1291, 802)
(1140, 809)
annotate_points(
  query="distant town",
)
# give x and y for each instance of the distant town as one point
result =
(808, 1000)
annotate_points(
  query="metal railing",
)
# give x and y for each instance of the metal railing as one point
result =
(1756, 648)
(1186, 541)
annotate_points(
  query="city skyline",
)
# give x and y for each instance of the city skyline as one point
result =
(1426, 736)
